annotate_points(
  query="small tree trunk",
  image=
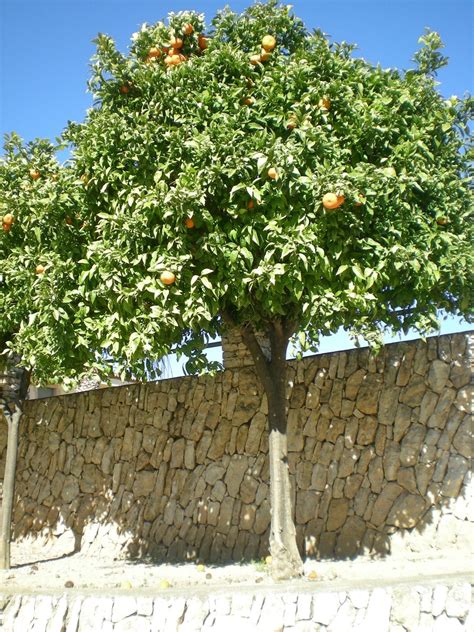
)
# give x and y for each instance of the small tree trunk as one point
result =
(286, 560)
(13, 422)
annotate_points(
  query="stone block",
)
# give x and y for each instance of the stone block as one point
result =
(438, 375)
(407, 511)
(337, 513)
(369, 393)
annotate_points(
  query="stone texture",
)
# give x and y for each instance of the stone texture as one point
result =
(375, 443)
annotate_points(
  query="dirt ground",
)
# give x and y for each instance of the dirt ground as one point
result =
(37, 569)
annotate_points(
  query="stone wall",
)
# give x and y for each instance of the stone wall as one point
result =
(440, 608)
(379, 451)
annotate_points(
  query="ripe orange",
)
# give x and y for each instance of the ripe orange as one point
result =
(154, 52)
(173, 60)
(39, 269)
(34, 174)
(8, 219)
(268, 42)
(188, 29)
(324, 103)
(255, 59)
(202, 42)
(332, 201)
(68, 221)
(250, 204)
(125, 89)
(442, 221)
(6, 227)
(167, 277)
(189, 222)
(249, 101)
(176, 42)
(272, 173)
(265, 55)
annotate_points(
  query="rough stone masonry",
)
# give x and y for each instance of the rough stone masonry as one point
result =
(379, 454)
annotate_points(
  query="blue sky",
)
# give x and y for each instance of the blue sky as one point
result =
(45, 47)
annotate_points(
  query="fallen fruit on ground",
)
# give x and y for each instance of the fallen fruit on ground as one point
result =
(268, 42)
(167, 277)
(332, 201)
(39, 269)
(272, 173)
(34, 174)
(189, 222)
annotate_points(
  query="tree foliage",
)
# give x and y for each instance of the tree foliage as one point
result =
(167, 143)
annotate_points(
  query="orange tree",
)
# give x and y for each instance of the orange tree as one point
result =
(258, 178)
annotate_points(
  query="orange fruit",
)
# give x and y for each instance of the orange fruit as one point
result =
(332, 201)
(324, 103)
(68, 221)
(265, 55)
(250, 204)
(189, 222)
(176, 42)
(34, 174)
(8, 219)
(442, 221)
(202, 42)
(268, 42)
(6, 227)
(173, 60)
(249, 101)
(272, 173)
(255, 59)
(39, 269)
(188, 29)
(167, 277)
(154, 52)
(125, 89)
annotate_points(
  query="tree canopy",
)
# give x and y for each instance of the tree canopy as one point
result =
(207, 156)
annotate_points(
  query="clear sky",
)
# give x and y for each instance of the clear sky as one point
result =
(45, 47)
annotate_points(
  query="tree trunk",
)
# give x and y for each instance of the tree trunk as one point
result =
(13, 421)
(286, 560)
